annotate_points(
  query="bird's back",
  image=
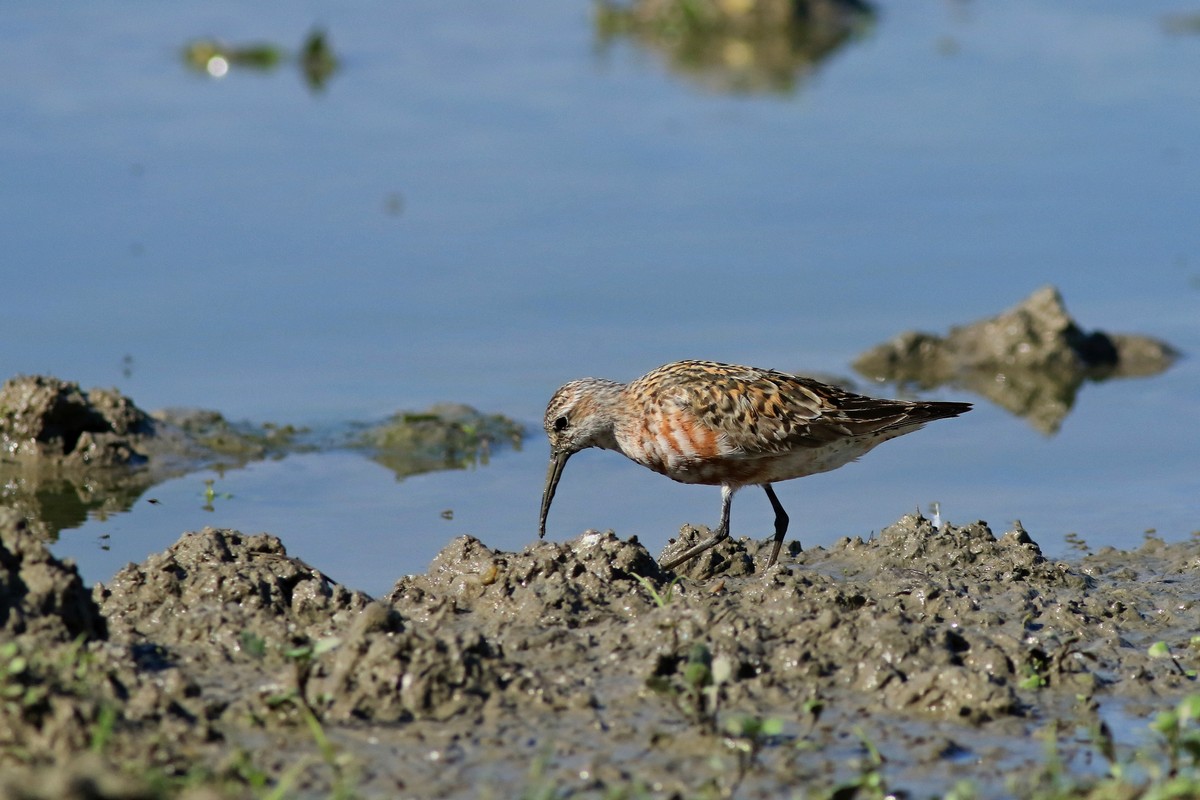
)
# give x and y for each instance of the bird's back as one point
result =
(706, 422)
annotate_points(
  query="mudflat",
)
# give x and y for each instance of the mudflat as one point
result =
(913, 661)
(934, 658)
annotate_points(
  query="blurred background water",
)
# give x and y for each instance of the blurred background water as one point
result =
(479, 202)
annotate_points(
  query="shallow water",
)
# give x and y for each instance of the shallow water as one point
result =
(481, 205)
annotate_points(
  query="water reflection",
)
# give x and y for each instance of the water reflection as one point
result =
(448, 436)
(70, 454)
(738, 46)
(316, 60)
(51, 504)
(1030, 360)
(1182, 24)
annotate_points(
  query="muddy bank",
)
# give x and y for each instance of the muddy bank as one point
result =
(921, 657)
(1031, 360)
(66, 453)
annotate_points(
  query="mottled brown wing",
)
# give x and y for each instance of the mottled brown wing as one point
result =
(759, 412)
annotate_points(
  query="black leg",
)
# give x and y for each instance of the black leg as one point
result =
(721, 534)
(781, 523)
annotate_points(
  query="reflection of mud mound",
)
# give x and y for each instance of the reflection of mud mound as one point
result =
(744, 47)
(69, 453)
(1031, 359)
(447, 436)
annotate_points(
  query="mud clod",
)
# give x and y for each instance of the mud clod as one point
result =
(44, 418)
(83, 778)
(213, 588)
(729, 557)
(592, 578)
(385, 671)
(40, 595)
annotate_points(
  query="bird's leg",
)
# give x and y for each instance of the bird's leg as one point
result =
(781, 523)
(721, 534)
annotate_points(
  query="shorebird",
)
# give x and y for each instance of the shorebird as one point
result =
(724, 425)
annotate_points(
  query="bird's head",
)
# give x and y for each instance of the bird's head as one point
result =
(580, 415)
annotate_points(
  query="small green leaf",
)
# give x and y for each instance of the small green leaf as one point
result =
(1189, 708)
(325, 645)
(1165, 722)
(253, 644)
(772, 726)
(697, 674)
(300, 653)
(658, 684)
(1159, 650)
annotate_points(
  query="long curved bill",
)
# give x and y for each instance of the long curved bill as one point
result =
(557, 462)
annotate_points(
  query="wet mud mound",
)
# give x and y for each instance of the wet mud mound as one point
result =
(446, 436)
(215, 590)
(51, 421)
(41, 596)
(68, 453)
(1031, 360)
(49, 622)
(582, 669)
(950, 623)
(593, 578)
(917, 629)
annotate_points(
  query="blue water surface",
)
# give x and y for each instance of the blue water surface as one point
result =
(487, 200)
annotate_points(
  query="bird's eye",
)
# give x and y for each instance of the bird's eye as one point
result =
(560, 424)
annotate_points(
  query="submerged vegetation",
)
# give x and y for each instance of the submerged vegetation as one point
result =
(315, 59)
